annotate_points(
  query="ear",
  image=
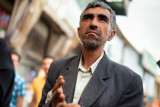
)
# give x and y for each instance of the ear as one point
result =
(112, 34)
(78, 30)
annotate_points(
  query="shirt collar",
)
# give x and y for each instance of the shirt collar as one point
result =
(92, 67)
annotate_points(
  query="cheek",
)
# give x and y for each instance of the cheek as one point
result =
(81, 32)
(84, 26)
(15, 63)
(105, 31)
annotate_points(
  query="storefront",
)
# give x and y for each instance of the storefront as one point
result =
(36, 30)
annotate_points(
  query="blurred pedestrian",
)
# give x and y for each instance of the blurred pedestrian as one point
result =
(91, 79)
(39, 81)
(6, 74)
(19, 89)
(155, 103)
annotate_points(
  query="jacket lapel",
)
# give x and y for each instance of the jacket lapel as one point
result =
(96, 85)
(70, 76)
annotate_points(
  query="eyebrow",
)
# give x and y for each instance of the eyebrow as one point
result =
(104, 16)
(86, 15)
(91, 15)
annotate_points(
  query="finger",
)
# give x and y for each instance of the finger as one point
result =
(72, 105)
(61, 97)
(59, 82)
(60, 77)
(61, 104)
(57, 91)
(58, 95)
(58, 87)
(55, 95)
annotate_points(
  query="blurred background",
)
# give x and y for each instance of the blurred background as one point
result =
(38, 28)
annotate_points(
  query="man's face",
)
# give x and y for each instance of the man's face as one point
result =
(95, 28)
(15, 60)
(46, 64)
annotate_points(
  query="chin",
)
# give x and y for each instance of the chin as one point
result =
(91, 46)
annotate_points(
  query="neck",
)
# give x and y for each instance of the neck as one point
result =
(90, 56)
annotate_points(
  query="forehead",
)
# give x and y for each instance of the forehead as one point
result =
(14, 55)
(46, 60)
(97, 11)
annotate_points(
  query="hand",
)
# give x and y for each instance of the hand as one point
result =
(72, 105)
(58, 97)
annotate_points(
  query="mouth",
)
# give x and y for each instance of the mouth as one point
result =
(92, 32)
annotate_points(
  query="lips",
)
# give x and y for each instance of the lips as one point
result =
(92, 32)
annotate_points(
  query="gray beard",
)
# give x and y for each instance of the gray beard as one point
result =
(92, 43)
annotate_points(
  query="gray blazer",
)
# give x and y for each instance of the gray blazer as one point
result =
(111, 85)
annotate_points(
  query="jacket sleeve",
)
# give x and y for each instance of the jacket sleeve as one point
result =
(133, 96)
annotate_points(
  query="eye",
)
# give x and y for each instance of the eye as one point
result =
(103, 18)
(87, 17)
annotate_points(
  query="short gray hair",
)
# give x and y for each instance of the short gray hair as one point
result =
(105, 6)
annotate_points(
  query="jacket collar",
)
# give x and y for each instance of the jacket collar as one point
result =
(96, 84)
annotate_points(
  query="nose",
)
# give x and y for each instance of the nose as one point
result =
(94, 23)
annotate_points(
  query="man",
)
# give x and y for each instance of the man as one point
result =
(6, 74)
(39, 82)
(19, 83)
(92, 79)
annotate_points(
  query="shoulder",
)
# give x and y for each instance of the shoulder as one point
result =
(122, 69)
(129, 85)
(125, 78)
(19, 85)
(58, 66)
(2, 42)
(123, 74)
(116, 69)
(19, 80)
(62, 62)
(4, 45)
(38, 80)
